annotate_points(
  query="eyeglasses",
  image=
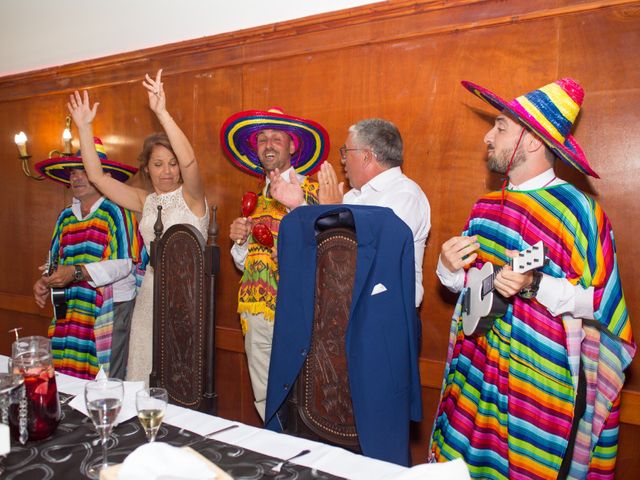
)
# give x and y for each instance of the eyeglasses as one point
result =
(343, 151)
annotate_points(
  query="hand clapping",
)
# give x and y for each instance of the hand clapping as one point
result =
(330, 191)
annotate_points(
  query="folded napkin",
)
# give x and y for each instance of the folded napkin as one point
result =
(453, 470)
(5, 439)
(161, 461)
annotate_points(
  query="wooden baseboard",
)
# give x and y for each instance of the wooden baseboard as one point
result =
(431, 374)
(231, 340)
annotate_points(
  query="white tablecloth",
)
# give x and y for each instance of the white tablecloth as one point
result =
(334, 460)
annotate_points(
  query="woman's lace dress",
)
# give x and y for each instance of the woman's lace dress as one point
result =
(174, 210)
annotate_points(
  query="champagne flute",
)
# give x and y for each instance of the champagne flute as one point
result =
(104, 400)
(151, 404)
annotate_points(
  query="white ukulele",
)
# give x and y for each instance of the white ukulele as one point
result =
(480, 305)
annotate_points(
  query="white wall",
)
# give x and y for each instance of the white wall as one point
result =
(36, 34)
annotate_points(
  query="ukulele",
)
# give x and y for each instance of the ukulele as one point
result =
(480, 304)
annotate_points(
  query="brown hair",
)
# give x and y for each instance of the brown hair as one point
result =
(147, 147)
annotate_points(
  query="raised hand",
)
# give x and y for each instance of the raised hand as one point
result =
(288, 194)
(81, 110)
(330, 190)
(155, 90)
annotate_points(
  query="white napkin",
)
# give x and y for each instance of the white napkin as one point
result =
(70, 385)
(128, 409)
(4, 364)
(157, 460)
(5, 439)
(453, 470)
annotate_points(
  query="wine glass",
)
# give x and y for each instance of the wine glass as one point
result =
(151, 404)
(104, 400)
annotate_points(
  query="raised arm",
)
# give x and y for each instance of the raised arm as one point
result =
(120, 193)
(192, 187)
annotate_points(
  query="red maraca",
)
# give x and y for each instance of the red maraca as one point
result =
(262, 235)
(249, 202)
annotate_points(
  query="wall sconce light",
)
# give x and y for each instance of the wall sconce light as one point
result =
(21, 143)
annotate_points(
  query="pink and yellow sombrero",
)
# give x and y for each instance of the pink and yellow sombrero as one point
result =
(59, 168)
(550, 113)
(238, 139)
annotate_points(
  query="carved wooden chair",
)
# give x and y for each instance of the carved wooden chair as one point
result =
(185, 270)
(319, 407)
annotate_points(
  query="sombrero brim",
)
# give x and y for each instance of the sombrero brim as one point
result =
(237, 131)
(569, 151)
(58, 169)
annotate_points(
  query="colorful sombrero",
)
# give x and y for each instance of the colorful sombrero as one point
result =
(238, 138)
(550, 113)
(58, 168)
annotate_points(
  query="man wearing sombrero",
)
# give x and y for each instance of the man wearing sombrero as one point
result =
(95, 245)
(538, 394)
(282, 149)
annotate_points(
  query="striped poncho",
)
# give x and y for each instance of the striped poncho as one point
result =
(81, 342)
(507, 401)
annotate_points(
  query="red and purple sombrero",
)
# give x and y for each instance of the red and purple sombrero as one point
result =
(238, 138)
(550, 113)
(59, 168)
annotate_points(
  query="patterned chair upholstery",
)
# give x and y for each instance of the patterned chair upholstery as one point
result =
(185, 270)
(319, 407)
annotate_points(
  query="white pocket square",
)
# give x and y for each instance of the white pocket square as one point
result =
(378, 288)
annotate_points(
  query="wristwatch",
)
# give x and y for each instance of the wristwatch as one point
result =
(532, 290)
(78, 276)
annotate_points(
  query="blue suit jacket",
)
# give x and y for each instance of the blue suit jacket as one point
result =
(382, 339)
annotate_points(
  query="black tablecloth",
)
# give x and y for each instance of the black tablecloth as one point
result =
(73, 449)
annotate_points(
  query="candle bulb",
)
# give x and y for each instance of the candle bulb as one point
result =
(66, 138)
(21, 142)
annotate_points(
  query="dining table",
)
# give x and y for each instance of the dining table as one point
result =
(242, 451)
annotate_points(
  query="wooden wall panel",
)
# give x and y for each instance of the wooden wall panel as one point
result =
(400, 60)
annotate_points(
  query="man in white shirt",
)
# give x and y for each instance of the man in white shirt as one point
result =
(281, 149)
(95, 245)
(372, 156)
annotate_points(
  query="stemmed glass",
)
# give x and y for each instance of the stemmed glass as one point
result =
(151, 404)
(104, 400)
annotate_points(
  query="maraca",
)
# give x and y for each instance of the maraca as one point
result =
(249, 202)
(263, 235)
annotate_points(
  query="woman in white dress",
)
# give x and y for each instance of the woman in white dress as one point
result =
(168, 160)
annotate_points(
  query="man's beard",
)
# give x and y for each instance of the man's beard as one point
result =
(498, 162)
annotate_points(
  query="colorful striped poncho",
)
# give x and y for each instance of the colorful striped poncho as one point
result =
(81, 342)
(507, 400)
(259, 283)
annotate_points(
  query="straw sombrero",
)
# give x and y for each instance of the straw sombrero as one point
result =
(59, 168)
(238, 138)
(550, 113)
